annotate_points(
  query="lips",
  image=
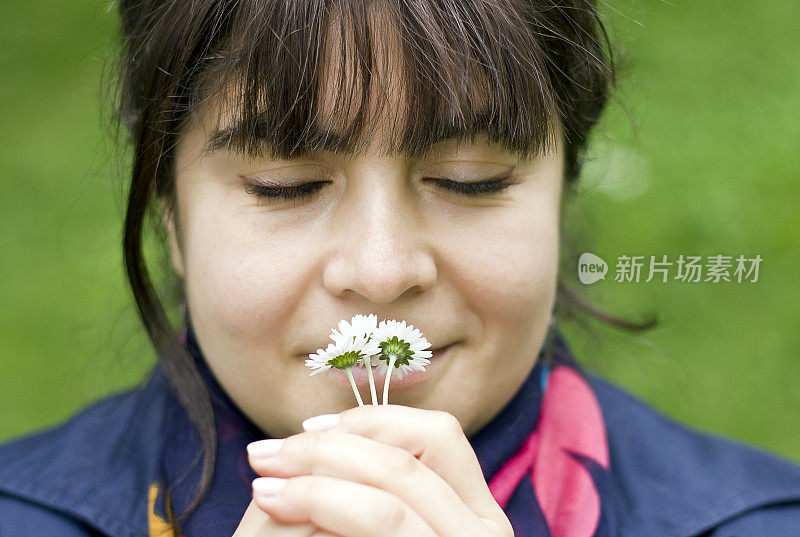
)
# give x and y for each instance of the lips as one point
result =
(434, 351)
(439, 361)
(441, 350)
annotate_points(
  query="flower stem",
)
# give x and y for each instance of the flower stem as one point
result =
(371, 381)
(349, 372)
(392, 360)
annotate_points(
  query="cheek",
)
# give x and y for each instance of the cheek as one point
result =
(509, 269)
(244, 280)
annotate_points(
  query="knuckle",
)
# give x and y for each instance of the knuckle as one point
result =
(305, 443)
(399, 461)
(315, 491)
(447, 424)
(348, 422)
(389, 513)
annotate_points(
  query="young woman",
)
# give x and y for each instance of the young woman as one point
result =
(314, 160)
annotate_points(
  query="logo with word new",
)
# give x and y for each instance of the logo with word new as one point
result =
(591, 268)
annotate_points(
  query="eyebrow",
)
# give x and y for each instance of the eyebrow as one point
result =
(236, 137)
(319, 140)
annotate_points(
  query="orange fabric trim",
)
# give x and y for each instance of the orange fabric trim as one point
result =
(158, 527)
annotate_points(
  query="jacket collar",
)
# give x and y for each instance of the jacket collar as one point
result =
(669, 481)
(672, 481)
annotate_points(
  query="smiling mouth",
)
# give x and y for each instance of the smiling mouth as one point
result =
(441, 349)
(435, 352)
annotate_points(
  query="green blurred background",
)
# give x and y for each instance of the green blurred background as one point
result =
(697, 155)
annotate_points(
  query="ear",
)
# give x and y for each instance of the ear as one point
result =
(168, 220)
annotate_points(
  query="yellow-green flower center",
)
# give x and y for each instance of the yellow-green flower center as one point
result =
(345, 360)
(396, 348)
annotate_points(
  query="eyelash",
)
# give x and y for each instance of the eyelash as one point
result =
(308, 189)
(284, 192)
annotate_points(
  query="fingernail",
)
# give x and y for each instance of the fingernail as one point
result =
(268, 486)
(321, 422)
(265, 448)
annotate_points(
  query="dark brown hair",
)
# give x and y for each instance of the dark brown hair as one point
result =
(512, 70)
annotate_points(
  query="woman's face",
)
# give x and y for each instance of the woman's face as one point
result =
(267, 279)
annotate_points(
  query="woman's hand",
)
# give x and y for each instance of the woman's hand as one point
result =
(387, 470)
(257, 523)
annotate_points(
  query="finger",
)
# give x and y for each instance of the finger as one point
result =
(363, 460)
(341, 507)
(257, 523)
(437, 439)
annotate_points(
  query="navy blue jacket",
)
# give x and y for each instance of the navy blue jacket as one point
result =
(89, 476)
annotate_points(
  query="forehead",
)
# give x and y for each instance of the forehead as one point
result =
(359, 78)
(369, 86)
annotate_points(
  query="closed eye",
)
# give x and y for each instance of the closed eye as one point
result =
(305, 190)
(476, 188)
(285, 193)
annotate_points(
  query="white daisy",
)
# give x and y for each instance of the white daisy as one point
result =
(347, 351)
(320, 361)
(401, 350)
(359, 325)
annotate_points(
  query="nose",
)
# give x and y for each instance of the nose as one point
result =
(379, 249)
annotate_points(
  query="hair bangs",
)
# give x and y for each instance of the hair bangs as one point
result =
(294, 78)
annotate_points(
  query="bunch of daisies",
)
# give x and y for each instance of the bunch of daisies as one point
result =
(391, 346)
